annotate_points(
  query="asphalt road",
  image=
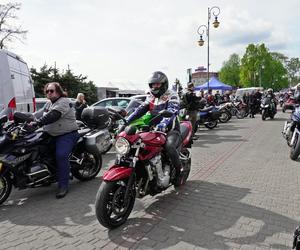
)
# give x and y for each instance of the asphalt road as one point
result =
(243, 193)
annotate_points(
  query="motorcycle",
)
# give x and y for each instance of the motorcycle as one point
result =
(281, 101)
(141, 168)
(237, 109)
(267, 108)
(27, 158)
(291, 133)
(225, 114)
(296, 239)
(289, 104)
(209, 117)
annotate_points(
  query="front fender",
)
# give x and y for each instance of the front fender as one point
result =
(115, 173)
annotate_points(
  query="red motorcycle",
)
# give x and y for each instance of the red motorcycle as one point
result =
(141, 168)
(289, 104)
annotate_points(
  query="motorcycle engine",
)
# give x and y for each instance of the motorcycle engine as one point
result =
(38, 172)
(163, 172)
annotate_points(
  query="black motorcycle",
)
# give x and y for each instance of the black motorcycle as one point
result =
(27, 156)
(268, 108)
(208, 116)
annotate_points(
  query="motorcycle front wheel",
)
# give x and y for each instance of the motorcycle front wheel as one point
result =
(240, 114)
(224, 117)
(263, 115)
(5, 187)
(90, 166)
(295, 148)
(211, 124)
(111, 208)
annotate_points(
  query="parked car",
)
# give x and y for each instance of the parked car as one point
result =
(16, 85)
(40, 102)
(120, 102)
(135, 101)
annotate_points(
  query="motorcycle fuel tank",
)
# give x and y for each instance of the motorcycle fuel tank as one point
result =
(153, 139)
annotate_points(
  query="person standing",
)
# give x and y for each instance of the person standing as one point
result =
(191, 103)
(80, 105)
(58, 120)
(252, 104)
(210, 98)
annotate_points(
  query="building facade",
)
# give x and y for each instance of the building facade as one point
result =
(200, 77)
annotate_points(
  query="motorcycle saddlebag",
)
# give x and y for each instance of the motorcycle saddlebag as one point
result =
(97, 141)
(95, 117)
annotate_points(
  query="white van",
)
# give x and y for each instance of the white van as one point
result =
(16, 85)
(241, 91)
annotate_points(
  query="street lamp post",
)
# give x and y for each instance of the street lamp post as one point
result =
(205, 28)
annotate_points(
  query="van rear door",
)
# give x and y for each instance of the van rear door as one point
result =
(22, 85)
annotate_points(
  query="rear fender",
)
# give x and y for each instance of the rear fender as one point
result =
(187, 139)
(115, 173)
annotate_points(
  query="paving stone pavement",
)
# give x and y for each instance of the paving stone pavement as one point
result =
(243, 193)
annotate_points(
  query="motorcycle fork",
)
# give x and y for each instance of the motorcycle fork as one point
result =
(296, 131)
(132, 176)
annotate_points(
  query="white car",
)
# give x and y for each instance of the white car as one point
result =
(40, 102)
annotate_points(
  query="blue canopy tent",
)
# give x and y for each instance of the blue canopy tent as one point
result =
(214, 83)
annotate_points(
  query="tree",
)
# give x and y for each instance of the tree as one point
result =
(230, 71)
(8, 31)
(259, 67)
(293, 68)
(70, 82)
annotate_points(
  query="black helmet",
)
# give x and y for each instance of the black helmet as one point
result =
(158, 77)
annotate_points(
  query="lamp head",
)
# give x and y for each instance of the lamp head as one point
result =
(201, 41)
(216, 23)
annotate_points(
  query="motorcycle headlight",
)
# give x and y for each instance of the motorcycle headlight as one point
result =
(122, 146)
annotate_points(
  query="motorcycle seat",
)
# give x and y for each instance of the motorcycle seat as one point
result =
(183, 131)
(83, 131)
(207, 109)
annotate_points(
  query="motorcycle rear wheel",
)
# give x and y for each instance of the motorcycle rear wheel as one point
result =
(295, 149)
(91, 166)
(111, 209)
(5, 188)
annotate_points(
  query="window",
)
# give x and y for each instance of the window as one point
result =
(122, 103)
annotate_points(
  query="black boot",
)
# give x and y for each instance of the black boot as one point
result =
(61, 192)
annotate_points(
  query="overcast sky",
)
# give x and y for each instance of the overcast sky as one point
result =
(122, 41)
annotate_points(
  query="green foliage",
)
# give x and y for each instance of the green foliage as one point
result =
(70, 82)
(293, 68)
(259, 67)
(230, 71)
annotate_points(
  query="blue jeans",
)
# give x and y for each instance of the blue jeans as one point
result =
(64, 145)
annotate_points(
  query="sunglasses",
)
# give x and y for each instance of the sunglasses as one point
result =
(50, 91)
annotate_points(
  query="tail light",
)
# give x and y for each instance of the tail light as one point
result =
(34, 104)
(12, 106)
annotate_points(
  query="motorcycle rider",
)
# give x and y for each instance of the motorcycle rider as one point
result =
(273, 99)
(58, 120)
(161, 98)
